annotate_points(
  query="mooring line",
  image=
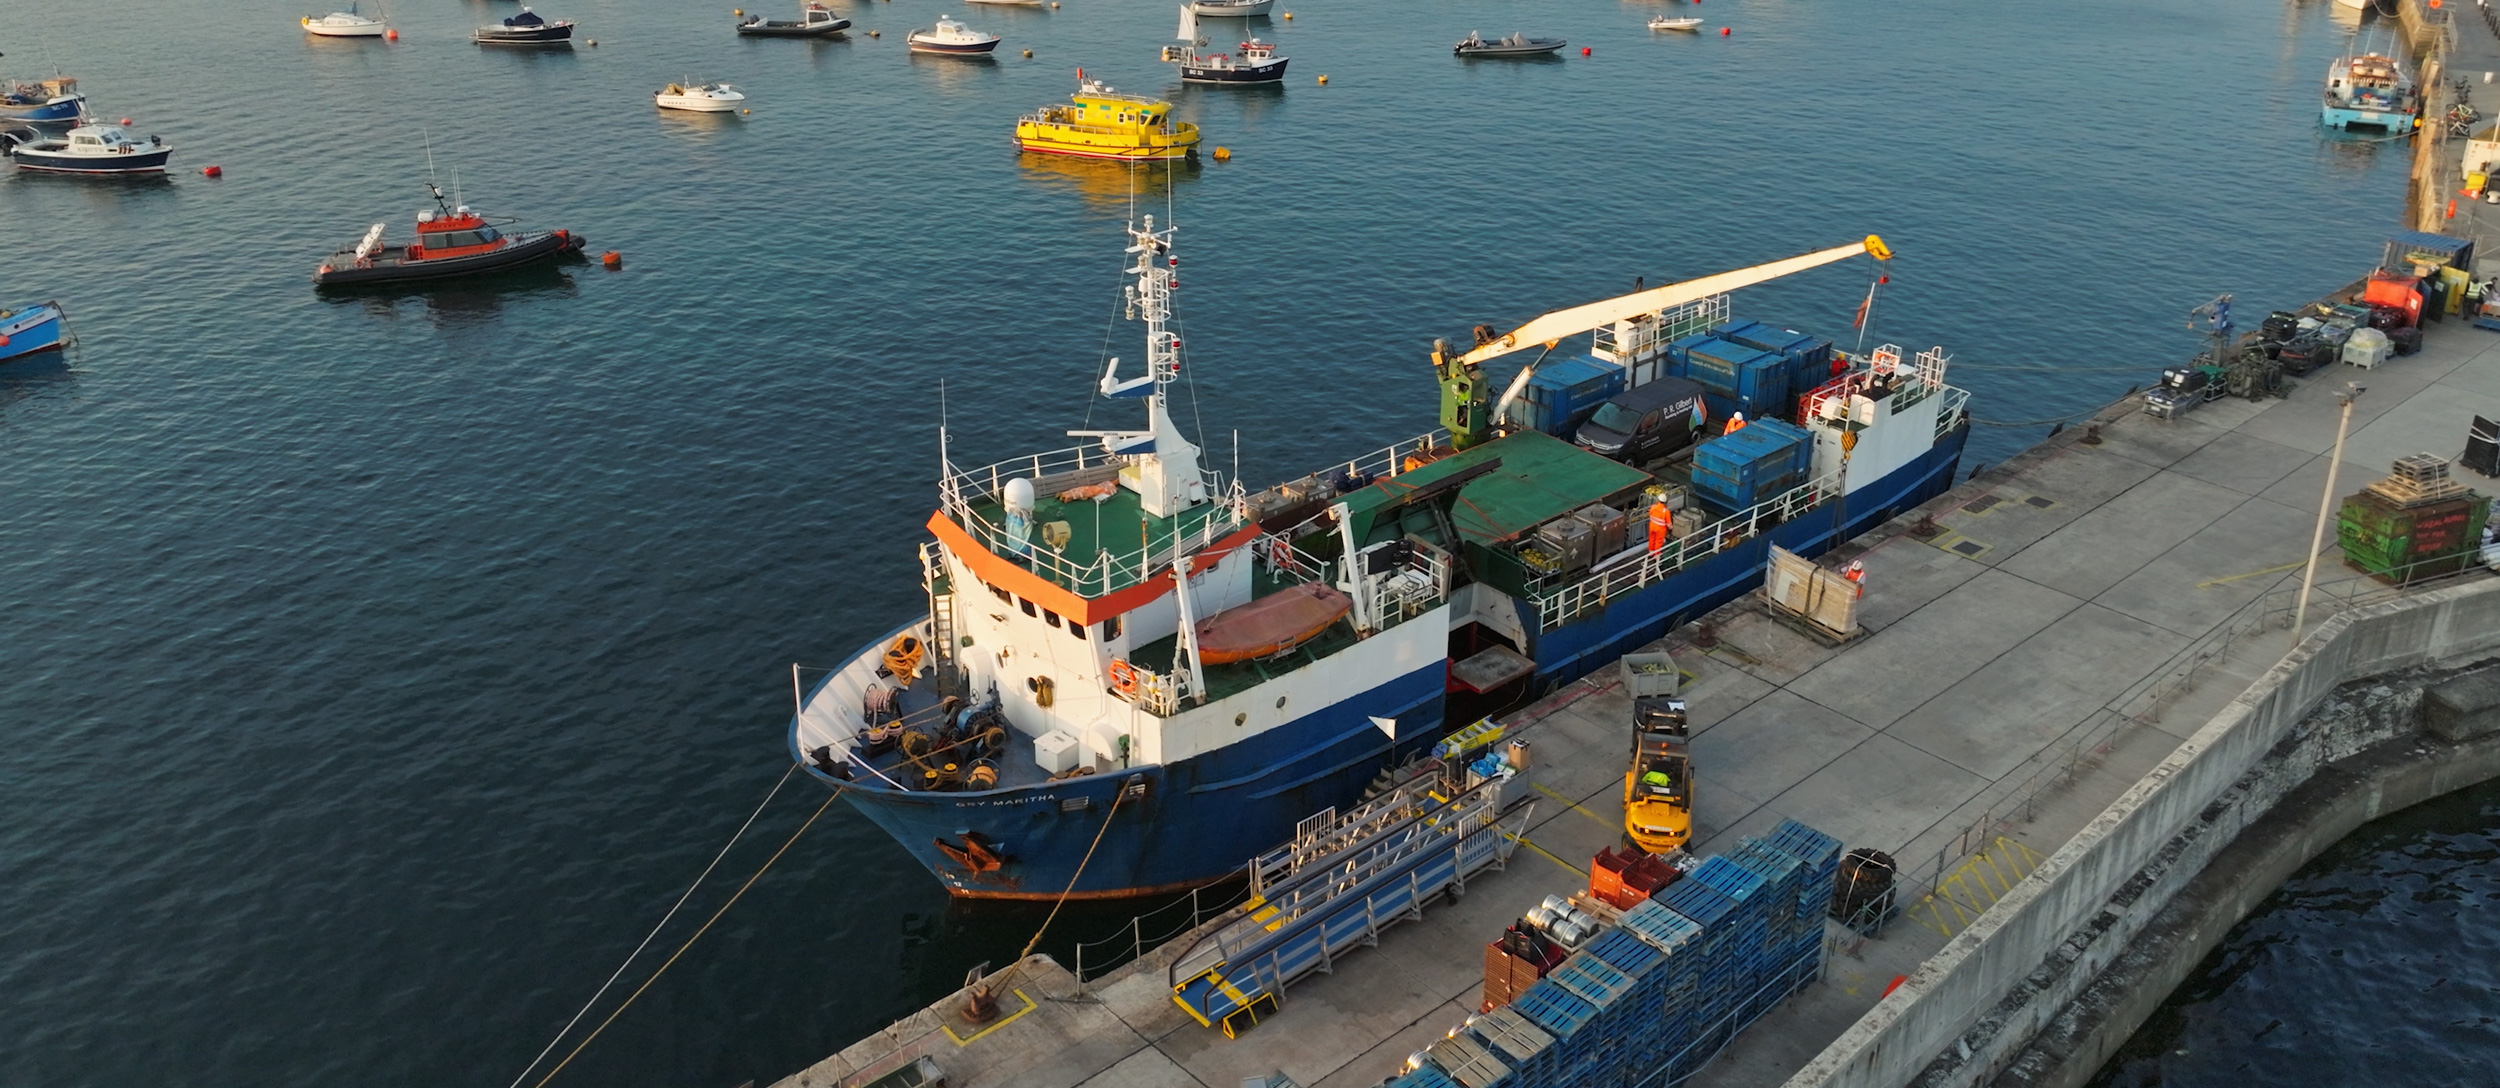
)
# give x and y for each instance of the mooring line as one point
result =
(569, 1025)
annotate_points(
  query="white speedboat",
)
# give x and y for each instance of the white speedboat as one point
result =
(1231, 9)
(699, 97)
(1666, 23)
(91, 148)
(951, 37)
(346, 24)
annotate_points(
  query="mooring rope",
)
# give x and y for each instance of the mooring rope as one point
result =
(681, 949)
(1079, 874)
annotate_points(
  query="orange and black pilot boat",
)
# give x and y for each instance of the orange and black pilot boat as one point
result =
(449, 242)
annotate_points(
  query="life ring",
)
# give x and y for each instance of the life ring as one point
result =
(1123, 678)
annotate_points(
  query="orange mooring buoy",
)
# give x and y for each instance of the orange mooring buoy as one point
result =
(390, 35)
(612, 259)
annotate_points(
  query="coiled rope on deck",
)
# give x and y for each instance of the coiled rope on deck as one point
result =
(664, 920)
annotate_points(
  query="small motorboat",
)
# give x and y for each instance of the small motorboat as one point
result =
(25, 330)
(345, 24)
(1101, 123)
(450, 242)
(1257, 62)
(527, 28)
(1231, 9)
(951, 37)
(55, 99)
(90, 148)
(815, 21)
(699, 97)
(1517, 45)
(1665, 22)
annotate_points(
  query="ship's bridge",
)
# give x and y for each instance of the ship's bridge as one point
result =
(1090, 549)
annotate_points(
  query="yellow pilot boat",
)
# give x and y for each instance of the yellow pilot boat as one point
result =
(1100, 123)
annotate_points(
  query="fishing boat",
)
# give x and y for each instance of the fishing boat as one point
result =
(1231, 9)
(1517, 45)
(951, 38)
(1668, 22)
(2370, 91)
(25, 330)
(1134, 674)
(699, 97)
(92, 148)
(815, 21)
(450, 242)
(1101, 123)
(345, 24)
(527, 28)
(1257, 62)
(44, 100)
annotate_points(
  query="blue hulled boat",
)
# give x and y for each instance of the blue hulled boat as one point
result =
(25, 330)
(2370, 91)
(1135, 674)
(93, 148)
(43, 101)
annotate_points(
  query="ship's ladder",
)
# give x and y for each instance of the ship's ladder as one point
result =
(941, 618)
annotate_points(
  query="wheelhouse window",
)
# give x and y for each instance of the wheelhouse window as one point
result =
(1111, 628)
(1050, 617)
(1028, 606)
(454, 239)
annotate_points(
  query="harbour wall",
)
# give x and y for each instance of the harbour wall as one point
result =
(1968, 1014)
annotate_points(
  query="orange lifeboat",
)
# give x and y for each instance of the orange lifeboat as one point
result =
(1270, 625)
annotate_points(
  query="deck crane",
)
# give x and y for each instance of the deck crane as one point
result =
(1470, 416)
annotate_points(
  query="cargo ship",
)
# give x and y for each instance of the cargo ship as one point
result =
(1134, 674)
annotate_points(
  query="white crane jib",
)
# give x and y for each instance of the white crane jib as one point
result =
(1163, 465)
(1557, 324)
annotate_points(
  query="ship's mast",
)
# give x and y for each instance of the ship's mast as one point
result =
(1163, 465)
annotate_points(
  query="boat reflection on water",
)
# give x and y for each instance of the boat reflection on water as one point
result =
(1108, 183)
(471, 301)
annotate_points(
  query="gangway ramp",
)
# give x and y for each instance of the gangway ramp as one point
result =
(1340, 882)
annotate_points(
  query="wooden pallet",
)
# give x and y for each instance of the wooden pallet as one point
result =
(2411, 493)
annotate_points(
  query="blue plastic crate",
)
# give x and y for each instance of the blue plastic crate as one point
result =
(1727, 877)
(1625, 951)
(1555, 1009)
(1813, 847)
(1704, 905)
(1591, 979)
(1424, 1076)
(1658, 927)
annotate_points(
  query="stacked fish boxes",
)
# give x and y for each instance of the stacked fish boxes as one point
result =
(1651, 1000)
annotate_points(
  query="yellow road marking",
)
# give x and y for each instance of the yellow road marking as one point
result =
(966, 1040)
(2212, 582)
(1549, 855)
(1575, 807)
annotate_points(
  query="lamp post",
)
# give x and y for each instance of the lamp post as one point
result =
(2326, 505)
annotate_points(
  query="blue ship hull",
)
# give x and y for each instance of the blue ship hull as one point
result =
(2346, 117)
(1201, 819)
(44, 112)
(30, 329)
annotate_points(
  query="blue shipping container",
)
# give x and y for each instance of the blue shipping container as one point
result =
(1564, 393)
(1719, 365)
(1680, 351)
(1768, 449)
(1762, 388)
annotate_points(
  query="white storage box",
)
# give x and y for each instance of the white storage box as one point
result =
(2367, 348)
(1056, 751)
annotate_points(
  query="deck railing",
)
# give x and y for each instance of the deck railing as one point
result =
(1111, 569)
(1649, 335)
(1562, 604)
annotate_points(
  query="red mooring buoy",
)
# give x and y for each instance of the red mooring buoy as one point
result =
(612, 259)
(1725, 31)
(390, 35)
(1584, 50)
(212, 171)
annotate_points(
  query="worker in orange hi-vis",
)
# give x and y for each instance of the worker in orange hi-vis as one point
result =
(1661, 520)
(1855, 572)
(1735, 423)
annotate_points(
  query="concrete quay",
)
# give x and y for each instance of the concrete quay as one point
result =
(2088, 605)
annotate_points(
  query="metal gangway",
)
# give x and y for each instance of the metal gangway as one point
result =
(1336, 886)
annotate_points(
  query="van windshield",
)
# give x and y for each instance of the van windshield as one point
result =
(1617, 418)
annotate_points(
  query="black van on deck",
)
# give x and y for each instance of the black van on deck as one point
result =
(1645, 424)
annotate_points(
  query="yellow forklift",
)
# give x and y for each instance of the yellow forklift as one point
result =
(1658, 788)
